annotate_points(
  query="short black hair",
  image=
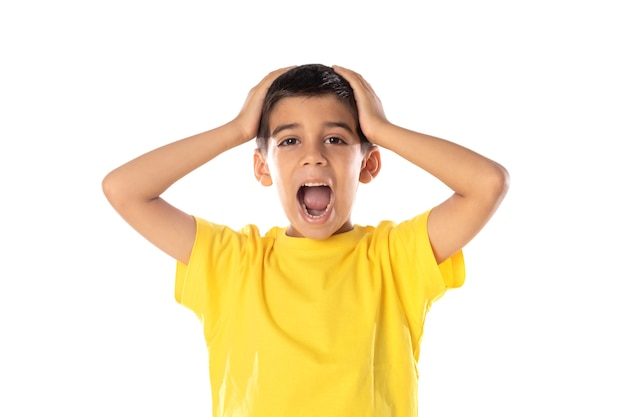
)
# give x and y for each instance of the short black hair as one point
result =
(308, 80)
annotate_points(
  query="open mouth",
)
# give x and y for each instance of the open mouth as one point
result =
(315, 199)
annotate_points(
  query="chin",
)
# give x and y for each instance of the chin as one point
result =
(317, 227)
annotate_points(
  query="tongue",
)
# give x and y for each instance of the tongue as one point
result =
(316, 198)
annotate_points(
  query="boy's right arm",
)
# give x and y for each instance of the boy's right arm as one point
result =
(134, 189)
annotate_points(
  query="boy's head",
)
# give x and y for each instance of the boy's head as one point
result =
(310, 80)
(310, 146)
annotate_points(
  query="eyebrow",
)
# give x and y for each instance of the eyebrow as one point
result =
(287, 126)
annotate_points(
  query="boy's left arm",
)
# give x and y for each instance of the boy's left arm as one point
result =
(479, 184)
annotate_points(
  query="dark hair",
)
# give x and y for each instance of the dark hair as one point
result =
(307, 81)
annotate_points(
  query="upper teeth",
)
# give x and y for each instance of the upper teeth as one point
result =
(315, 184)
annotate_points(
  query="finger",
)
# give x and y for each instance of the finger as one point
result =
(264, 84)
(345, 72)
(354, 78)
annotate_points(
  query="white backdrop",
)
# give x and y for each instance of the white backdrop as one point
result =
(88, 321)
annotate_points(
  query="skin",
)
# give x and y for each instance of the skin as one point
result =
(478, 184)
(315, 143)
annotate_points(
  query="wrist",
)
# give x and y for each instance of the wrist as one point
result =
(237, 134)
(379, 133)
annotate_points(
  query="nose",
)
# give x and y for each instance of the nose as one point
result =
(313, 154)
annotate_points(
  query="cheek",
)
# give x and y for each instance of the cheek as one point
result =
(280, 176)
(356, 165)
(350, 178)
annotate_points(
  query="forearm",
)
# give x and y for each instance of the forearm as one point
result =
(149, 175)
(479, 184)
(134, 189)
(463, 170)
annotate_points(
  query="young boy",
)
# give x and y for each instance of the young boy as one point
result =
(323, 317)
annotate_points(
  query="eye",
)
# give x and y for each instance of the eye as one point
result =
(335, 140)
(288, 142)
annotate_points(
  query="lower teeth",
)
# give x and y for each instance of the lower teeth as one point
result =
(314, 213)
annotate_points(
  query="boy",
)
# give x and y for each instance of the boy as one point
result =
(323, 317)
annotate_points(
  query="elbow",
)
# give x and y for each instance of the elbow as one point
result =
(108, 185)
(111, 188)
(497, 183)
(121, 192)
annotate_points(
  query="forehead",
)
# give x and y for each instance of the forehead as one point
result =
(310, 110)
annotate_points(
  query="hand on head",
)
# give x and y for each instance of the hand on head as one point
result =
(370, 108)
(248, 118)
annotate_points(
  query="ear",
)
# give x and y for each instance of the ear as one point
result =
(261, 171)
(370, 167)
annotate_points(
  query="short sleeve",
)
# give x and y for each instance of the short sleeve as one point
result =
(419, 279)
(204, 283)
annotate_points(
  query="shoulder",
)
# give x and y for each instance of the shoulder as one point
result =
(219, 238)
(204, 226)
(409, 230)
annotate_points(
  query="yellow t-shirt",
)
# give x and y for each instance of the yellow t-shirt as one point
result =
(301, 327)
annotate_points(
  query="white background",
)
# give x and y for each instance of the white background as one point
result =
(88, 321)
